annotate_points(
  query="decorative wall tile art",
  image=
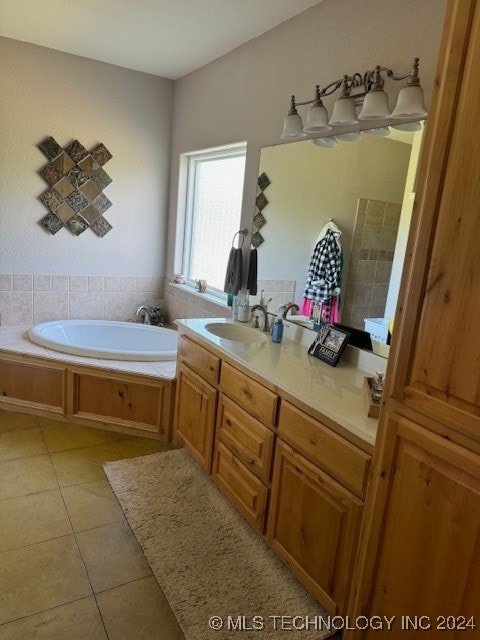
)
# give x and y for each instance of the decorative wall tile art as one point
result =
(50, 148)
(102, 203)
(51, 223)
(101, 226)
(101, 154)
(261, 202)
(77, 224)
(76, 151)
(76, 181)
(101, 178)
(263, 181)
(51, 199)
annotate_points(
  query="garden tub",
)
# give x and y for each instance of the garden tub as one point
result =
(106, 339)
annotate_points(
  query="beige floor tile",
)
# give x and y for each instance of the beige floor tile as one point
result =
(112, 556)
(33, 518)
(25, 476)
(40, 577)
(138, 610)
(21, 444)
(83, 465)
(11, 420)
(91, 505)
(134, 447)
(78, 620)
(62, 436)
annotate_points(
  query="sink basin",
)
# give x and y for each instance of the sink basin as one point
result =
(234, 333)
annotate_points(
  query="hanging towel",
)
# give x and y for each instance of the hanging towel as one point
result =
(252, 273)
(233, 277)
(330, 226)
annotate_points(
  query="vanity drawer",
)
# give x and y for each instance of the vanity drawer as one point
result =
(251, 395)
(332, 453)
(246, 437)
(244, 489)
(198, 359)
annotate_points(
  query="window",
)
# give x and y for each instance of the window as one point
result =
(214, 202)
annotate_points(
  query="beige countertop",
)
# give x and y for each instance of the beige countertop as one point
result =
(335, 392)
(14, 339)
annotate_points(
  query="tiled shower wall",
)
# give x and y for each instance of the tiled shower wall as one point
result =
(29, 299)
(368, 278)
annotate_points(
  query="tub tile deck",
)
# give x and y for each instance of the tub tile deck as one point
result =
(15, 340)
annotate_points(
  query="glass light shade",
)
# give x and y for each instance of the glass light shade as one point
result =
(317, 120)
(352, 136)
(377, 131)
(375, 105)
(292, 127)
(327, 142)
(344, 112)
(410, 103)
(407, 126)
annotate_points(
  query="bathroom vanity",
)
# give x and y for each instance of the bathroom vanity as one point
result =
(286, 438)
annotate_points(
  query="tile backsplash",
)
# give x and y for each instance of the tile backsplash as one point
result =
(182, 302)
(29, 299)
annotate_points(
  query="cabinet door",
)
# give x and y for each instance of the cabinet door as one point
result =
(313, 526)
(430, 548)
(195, 414)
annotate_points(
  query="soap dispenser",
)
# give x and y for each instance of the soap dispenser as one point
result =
(277, 329)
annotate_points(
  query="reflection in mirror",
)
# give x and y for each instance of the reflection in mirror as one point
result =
(367, 189)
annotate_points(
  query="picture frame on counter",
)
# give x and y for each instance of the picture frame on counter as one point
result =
(329, 345)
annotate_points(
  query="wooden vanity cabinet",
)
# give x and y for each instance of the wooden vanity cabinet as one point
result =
(309, 502)
(195, 415)
(313, 525)
(243, 459)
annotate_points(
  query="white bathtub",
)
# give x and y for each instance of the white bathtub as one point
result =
(107, 339)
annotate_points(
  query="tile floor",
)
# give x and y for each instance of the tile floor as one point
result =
(70, 566)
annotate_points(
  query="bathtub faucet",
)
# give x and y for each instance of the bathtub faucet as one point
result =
(143, 312)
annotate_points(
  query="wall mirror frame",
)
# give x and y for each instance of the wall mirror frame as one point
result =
(367, 188)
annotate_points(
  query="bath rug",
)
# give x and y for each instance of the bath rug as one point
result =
(219, 577)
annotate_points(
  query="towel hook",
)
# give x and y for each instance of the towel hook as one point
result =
(243, 233)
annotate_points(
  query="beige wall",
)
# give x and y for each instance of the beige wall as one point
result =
(309, 185)
(45, 92)
(244, 95)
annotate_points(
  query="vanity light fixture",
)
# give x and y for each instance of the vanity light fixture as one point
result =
(368, 90)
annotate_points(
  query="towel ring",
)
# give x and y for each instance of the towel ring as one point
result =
(243, 233)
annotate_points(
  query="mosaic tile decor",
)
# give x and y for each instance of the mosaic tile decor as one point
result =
(77, 224)
(101, 226)
(76, 180)
(263, 181)
(50, 148)
(51, 223)
(257, 239)
(261, 202)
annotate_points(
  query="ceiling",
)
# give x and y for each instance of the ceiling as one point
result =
(169, 38)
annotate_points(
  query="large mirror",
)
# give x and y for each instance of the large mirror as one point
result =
(367, 188)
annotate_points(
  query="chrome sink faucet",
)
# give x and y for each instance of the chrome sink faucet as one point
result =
(265, 325)
(143, 312)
